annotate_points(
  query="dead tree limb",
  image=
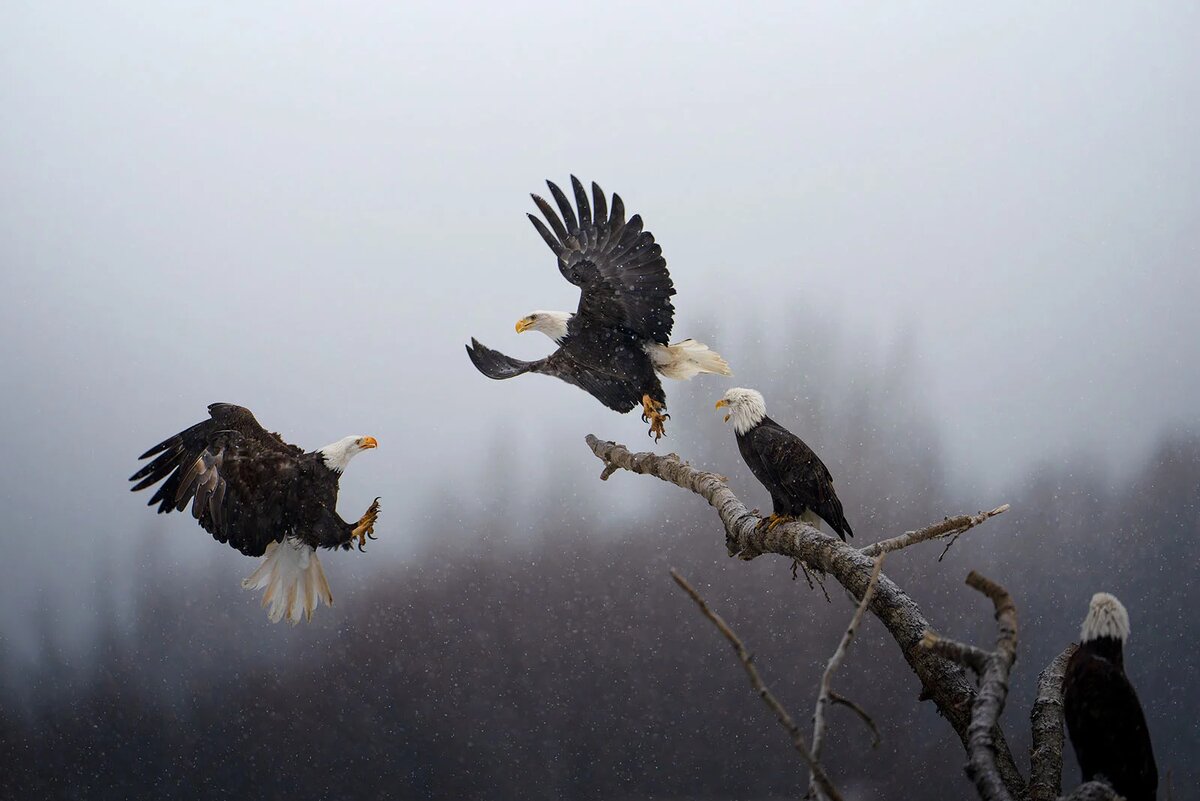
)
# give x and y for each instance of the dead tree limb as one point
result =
(1046, 719)
(993, 688)
(950, 527)
(825, 695)
(862, 715)
(747, 659)
(943, 681)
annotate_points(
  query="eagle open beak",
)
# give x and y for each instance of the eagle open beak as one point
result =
(722, 403)
(368, 443)
(523, 325)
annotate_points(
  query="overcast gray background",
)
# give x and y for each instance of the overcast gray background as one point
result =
(308, 210)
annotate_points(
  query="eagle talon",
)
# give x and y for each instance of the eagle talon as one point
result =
(778, 520)
(653, 412)
(366, 527)
(769, 523)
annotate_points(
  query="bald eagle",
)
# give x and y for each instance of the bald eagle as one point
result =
(615, 345)
(250, 489)
(1104, 717)
(799, 482)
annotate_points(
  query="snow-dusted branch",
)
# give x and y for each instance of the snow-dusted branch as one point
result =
(951, 527)
(747, 659)
(942, 681)
(1046, 752)
(825, 696)
(993, 687)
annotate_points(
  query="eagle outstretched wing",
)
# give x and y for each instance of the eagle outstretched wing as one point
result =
(798, 471)
(239, 478)
(617, 265)
(617, 393)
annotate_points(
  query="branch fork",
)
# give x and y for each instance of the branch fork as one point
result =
(942, 681)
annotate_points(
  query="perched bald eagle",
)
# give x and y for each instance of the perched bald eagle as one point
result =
(615, 345)
(249, 488)
(1104, 717)
(799, 482)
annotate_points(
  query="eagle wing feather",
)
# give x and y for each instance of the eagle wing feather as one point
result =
(799, 473)
(617, 265)
(240, 479)
(614, 391)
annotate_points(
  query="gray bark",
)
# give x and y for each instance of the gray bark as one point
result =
(943, 681)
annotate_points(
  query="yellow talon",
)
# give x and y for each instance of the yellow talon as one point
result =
(652, 413)
(365, 529)
(774, 520)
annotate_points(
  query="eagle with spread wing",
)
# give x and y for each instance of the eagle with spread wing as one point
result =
(250, 489)
(617, 343)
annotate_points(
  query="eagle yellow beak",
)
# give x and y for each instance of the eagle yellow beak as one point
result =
(722, 403)
(368, 442)
(524, 324)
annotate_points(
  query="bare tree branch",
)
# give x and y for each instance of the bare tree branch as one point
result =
(1046, 718)
(835, 661)
(862, 714)
(993, 688)
(942, 681)
(951, 527)
(960, 652)
(781, 714)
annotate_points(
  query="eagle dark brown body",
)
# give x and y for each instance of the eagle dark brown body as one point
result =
(1104, 716)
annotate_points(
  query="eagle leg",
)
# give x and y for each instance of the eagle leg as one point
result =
(366, 526)
(774, 520)
(654, 414)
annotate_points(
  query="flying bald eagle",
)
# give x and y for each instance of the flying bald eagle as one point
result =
(249, 488)
(615, 345)
(1104, 717)
(799, 482)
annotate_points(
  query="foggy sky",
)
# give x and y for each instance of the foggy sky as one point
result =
(309, 210)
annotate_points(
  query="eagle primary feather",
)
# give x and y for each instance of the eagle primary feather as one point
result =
(616, 343)
(250, 489)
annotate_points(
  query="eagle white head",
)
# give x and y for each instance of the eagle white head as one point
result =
(746, 408)
(338, 454)
(1106, 617)
(551, 323)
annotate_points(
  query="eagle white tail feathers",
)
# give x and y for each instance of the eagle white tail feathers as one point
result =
(687, 359)
(294, 581)
(812, 518)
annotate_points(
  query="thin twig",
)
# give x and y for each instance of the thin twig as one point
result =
(950, 527)
(760, 688)
(821, 583)
(862, 714)
(835, 661)
(951, 542)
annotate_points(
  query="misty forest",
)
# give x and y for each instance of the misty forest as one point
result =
(550, 655)
(953, 251)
